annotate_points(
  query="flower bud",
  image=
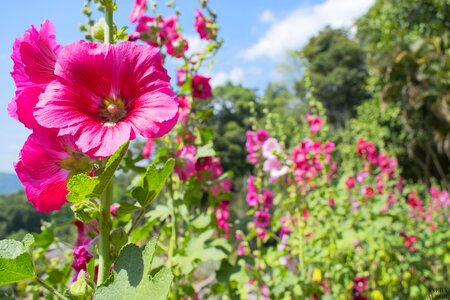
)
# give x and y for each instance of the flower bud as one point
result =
(85, 211)
(83, 286)
(98, 30)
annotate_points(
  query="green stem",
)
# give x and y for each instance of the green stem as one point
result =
(136, 221)
(51, 289)
(104, 218)
(258, 266)
(105, 228)
(301, 264)
(173, 236)
(109, 24)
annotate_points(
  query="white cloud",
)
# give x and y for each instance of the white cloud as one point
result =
(235, 76)
(267, 16)
(293, 31)
(196, 44)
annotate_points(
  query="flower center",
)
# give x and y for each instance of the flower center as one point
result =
(112, 110)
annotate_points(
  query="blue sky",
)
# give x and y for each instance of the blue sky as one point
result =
(257, 34)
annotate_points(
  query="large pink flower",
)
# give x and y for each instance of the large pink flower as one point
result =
(105, 95)
(45, 162)
(34, 56)
(139, 8)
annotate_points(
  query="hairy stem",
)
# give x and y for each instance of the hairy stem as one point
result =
(173, 236)
(105, 228)
(109, 24)
(51, 289)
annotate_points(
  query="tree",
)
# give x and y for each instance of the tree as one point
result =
(337, 73)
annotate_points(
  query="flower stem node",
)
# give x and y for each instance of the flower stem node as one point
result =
(118, 239)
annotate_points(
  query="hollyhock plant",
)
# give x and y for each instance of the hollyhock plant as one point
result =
(45, 163)
(204, 26)
(360, 284)
(181, 76)
(185, 165)
(252, 199)
(315, 123)
(184, 108)
(201, 89)
(262, 219)
(261, 136)
(147, 29)
(106, 95)
(34, 56)
(271, 148)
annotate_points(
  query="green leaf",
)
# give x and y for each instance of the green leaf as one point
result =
(131, 278)
(152, 183)
(82, 187)
(126, 208)
(205, 151)
(16, 262)
(201, 221)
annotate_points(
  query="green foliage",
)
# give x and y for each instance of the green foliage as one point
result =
(16, 262)
(83, 187)
(132, 279)
(336, 73)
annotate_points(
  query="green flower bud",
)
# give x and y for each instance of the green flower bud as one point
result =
(98, 30)
(83, 286)
(85, 211)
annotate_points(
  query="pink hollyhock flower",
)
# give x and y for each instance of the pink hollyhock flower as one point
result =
(267, 198)
(177, 47)
(185, 162)
(331, 202)
(361, 176)
(201, 89)
(222, 216)
(275, 167)
(315, 123)
(147, 30)
(270, 148)
(250, 143)
(261, 136)
(262, 219)
(148, 147)
(360, 284)
(265, 291)
(208, 168)
(81, 256)
(168, 29)
(241, 249)
(252, 199)
(184, 108)
(106, 95)
(113, 208)
(285, 226)
(368, 191)
(223, 186)
(181, 76)
(138, 10)
(350, 183)
(200, 25)
(45, 162)
(34, 56)
(261, 233)
(251, 184)
(253, 158)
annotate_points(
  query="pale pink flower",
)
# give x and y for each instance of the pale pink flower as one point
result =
(185, 163)
(138, 10)
(34, 56)
(271, 148)
(45, 163)
(181, 76)
(106, 95)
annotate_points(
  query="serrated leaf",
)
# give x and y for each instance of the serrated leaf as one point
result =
(131, 278)
(152, 183)
(82, 187)
(16, 262)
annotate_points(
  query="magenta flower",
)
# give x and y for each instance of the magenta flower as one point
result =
(34, 56)
(147, 29)
(113, 208)
(138, 10)
(315, 123)
(185, 166)
(252, 199)
(181, 76)
(106, 95)
(261, 135)
(201, 89)
(262, 219)
(81, 256)
(204, 26)
(185, 108)
(251, 184)
(360, 284)
(267, 198)
(45, 162)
